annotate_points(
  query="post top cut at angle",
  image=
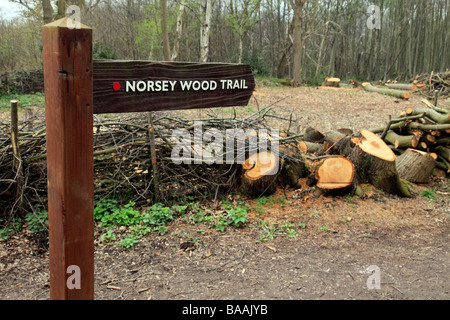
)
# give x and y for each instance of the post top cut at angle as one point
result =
(335, 173)
(372, 144)
(65, 22)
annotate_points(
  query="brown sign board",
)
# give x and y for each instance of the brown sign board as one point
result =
(136, 86)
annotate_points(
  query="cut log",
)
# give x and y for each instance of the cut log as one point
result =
(431, 106)
(429, 139)
(441, 118)
(422, 145)
(390, 92)
(415, 166)
(260, 174)
(443, 141)
(372, 144)
(335, 174)
(402, 141)
(332, 137)
(374, 162)
(331, 82)
(395, 126)
(443, 165)
(334, 142)
(443, 152)
(310, 147)
(346, 131)
(415, 125)
(312, 135)
(402, 86)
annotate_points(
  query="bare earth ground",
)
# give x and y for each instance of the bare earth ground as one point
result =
(336, 239)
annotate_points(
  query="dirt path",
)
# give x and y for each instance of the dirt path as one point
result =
(332, 241)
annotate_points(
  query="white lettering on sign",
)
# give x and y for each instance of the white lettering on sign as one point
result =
(184, 85)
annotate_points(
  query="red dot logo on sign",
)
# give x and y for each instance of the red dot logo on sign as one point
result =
(116, 86)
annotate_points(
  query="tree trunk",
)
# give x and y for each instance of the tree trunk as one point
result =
(164, 29)
(47, 11)
(61, 9)
(297, 6)
(176, 45)
(204, 33)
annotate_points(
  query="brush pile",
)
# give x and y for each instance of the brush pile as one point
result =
(122, 157)
(428, 84)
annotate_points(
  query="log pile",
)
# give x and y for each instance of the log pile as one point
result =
(421, 139)
(342, 160)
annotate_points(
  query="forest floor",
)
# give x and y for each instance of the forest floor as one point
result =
(303, 247)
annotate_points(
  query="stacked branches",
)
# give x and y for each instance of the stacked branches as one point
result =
(122, 158)
(22, 82)
(430, 84)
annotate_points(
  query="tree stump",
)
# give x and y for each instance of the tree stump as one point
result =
(332, 82)
(260, 174)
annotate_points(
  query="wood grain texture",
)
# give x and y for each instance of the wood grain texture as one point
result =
(69, 120)
(107, 72)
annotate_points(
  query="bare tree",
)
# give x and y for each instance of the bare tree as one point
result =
(179, 30)
(297, 6)
(47, 11)
(204, 32)
(61, 9)
(164, 29)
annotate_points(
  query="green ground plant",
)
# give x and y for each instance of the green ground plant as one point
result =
(36, 99)
(110, 216)
(429, 193)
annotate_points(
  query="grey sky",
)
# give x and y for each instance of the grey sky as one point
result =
(9, 10)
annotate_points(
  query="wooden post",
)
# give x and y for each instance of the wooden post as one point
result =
(69, 120)
(17, 160)
(15, 134)
(155, 170)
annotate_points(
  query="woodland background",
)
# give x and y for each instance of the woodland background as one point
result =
(278, 38)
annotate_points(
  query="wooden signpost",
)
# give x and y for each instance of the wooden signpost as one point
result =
(76, 87)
